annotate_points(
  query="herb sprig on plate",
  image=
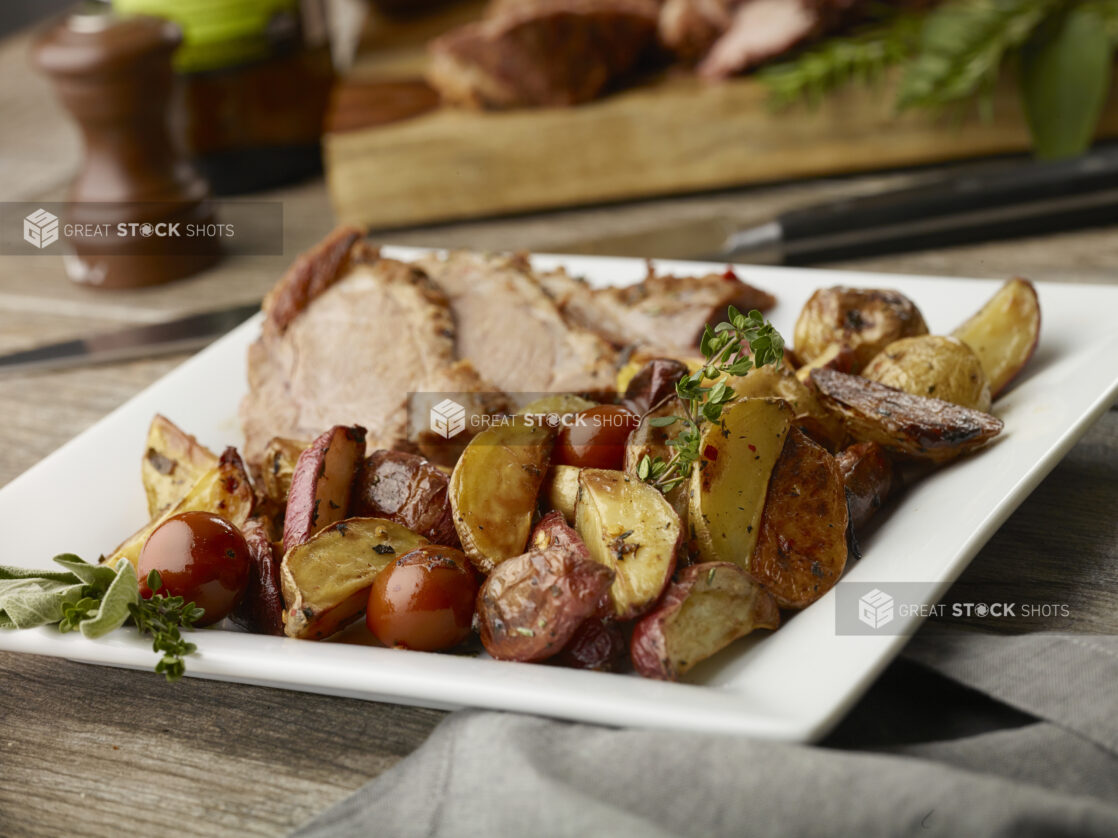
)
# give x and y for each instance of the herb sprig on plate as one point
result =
(704, 393)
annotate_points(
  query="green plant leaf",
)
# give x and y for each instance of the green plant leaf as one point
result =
(36, 601)
(1065, 77)
(113, 610)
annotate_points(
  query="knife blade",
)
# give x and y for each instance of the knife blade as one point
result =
(183, 334)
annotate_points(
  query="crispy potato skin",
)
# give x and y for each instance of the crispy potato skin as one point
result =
(326, 579)
(869, 476)
(494, 489)
(837, 356)
(321, 482)
(224, 490)
(864, 319)
(629, 527)
(1004, 332)
(529, 606)
(932, 365)
(917, 427)
(260, 610)
(801, 547)
(706, 609)
(598, 644)
(173, 462)
(407, 489)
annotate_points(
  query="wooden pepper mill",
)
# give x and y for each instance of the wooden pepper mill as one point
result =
(137, 203)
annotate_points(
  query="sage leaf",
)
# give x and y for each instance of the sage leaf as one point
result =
(1065, 77)
(36, 601)
(122, 592)
(99, 576)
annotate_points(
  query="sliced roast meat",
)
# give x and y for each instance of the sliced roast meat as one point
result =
(542, 52)
(514, 333)
(352, 353)
(689, 28)
(663, 311)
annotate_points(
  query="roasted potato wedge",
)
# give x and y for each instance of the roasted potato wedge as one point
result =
(864, 319)
(648, 440)
(326, 579)
(730, 481)
(869, 476)
(705, 610)
(224, 490)
(260, 610)
(653, 383)
(173, 462)
(912, 426)
(837, 356)
(321, 483)
(278, 466)
(494, 488)
(407, 489)
(778, 382)
(801, 544)
(560, 490)
(932, 365)
(598, 644)
(1004, 333)
(530, 605)
(629, 527)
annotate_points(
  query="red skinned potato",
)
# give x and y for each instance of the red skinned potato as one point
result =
(407, 489)
(260, 610)
(869, 477)
(1004, 332)
(598, 644)
(801, 546)
(320, 484)
(530, 606)
(706, 609)
(629, 527)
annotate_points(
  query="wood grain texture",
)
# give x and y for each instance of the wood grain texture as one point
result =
(117, 750)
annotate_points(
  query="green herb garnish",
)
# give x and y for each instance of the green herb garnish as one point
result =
(724, 353)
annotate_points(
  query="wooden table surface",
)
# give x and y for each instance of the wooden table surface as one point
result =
(102, 751)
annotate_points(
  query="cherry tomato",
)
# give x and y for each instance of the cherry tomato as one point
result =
(424, 600)
(596, 437)
(202, 558)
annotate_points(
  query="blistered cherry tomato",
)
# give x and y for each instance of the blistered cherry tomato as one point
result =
(202, 558)
(596, 437)
(424, 600)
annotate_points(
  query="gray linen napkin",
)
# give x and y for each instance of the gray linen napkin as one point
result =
(497, 774)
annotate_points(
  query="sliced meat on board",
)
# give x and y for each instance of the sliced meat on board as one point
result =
(351, 352)
(513, 331)
(542, 52)
(663, 311)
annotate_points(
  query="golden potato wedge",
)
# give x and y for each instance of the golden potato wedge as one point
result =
(705, 610)
(407, 489)
(869, 476)
(629, 527)
(326, 579)
(729, 483)
(260, 610)
(1005, 332)
(530, 605)
(321, 483)
(864, 319)
(494, 488)
(173, 462)
(773, 382)
(648, 440)
(837, 356)
(278, 466)
(224, 490)
(932, 365)
(560, 490)
(801, 544)
(918, 427)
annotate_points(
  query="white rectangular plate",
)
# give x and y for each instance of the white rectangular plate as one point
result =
(794, 684)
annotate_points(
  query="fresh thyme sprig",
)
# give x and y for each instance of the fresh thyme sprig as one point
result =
(162, 617)
(725, 353)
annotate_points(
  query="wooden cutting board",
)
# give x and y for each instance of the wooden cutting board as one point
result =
(395, 157)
